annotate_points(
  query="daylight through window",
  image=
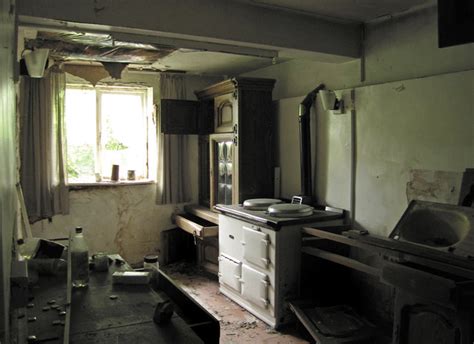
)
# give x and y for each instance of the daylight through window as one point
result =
(106, 126)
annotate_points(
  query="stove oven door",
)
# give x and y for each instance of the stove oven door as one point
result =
(255, 286)
(229, 273)
(255, 245)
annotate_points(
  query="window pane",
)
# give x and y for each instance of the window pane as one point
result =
(80, 119)
(123, 133)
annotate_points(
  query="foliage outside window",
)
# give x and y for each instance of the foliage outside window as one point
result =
(105, 126)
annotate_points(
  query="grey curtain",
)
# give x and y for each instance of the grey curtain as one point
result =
(172, 183)
(42, 145)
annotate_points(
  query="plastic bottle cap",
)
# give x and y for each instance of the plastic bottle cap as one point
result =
(150, 258)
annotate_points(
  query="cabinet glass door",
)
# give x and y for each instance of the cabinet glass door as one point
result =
(222, 173)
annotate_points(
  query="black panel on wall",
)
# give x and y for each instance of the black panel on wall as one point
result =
(455, 22)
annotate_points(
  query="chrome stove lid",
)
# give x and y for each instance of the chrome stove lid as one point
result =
(290, 210)
(260, 203)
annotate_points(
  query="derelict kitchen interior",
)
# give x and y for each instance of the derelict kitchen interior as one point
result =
(241, 171)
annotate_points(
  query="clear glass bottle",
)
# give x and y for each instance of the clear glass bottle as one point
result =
(79, 260)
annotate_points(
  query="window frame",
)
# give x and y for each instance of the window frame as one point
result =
(146, 94)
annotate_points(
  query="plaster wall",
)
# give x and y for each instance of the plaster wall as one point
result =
(398, 49)
(8, 199)
(415, 124)
(124, 219)
(413, 111)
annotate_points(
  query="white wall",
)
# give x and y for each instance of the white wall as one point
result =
(413, 111)
(8, 200)
(398, 49)
(125, 219)
(417, 124)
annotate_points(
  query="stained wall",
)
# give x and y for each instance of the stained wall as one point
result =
(125, 219)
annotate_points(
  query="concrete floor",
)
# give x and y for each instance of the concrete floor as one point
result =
(237, 325)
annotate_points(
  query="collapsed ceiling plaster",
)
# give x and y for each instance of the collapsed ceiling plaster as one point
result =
(67, 46)
(78, 47)
(91, 73)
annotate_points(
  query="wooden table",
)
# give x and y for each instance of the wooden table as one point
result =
(96, 318)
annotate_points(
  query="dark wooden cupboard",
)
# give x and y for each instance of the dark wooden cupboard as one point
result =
(186, 117)
(235, 124)
(234, 121)
(241, 150)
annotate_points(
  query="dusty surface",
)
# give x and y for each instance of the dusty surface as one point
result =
(237, 325)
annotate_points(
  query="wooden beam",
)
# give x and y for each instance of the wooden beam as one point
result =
(400, 251)
(215, 21)
(336, 258)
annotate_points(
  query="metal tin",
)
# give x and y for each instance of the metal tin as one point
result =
(290, 210)
(260, 203)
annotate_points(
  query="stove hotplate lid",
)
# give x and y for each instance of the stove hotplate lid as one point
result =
(260, 203)
(290, 210)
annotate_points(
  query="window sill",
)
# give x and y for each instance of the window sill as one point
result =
(108, 184)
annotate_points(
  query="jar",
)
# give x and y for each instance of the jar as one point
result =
(151, 264)
(150, 261)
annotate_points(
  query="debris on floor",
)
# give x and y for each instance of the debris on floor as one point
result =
(237, 325)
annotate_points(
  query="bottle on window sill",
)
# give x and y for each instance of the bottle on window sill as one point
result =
(79, 260)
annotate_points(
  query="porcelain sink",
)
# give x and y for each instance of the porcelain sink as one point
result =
(440, 226)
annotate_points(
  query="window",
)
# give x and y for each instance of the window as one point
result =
(105, 126)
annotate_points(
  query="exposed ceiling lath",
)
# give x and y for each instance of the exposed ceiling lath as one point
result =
(96, 47)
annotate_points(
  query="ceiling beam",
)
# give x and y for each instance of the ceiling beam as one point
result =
(213, 21)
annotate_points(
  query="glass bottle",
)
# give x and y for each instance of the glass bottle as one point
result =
(79, 260)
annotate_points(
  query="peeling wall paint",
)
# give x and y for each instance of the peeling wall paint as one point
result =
(434, 186)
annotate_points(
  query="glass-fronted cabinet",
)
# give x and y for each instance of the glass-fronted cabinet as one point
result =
(223, 172)
(240, 153)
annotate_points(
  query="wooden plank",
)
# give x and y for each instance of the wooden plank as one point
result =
(336, 258)
(308, 324)
(333, 237)
(202, 212)
(440, 266)
(67, 306)
(24, 214)
(423, 284)
(203, 323)
(352, 238)
(196, 227)
(414, 249)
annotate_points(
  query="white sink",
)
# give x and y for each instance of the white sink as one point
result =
(440, 226)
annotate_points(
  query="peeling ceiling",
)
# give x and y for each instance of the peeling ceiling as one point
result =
(68, 46)
(74, 47)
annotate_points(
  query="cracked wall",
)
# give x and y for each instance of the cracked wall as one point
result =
(116, 219)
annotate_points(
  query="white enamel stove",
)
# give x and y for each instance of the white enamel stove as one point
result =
(259, 255)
